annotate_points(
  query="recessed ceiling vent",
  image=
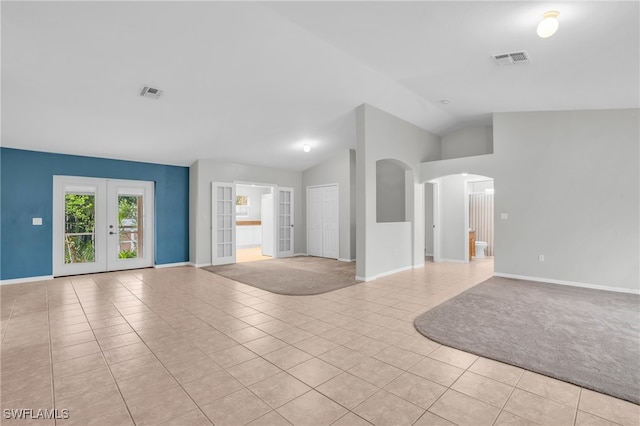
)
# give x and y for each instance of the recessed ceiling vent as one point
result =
(513, 58)
(150, 92)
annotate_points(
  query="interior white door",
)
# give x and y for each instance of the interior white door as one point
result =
(314, 221)
(268, 224)
(101, 225)
(437, 218)
(323, 221)
(223, 227)
(285, 231)
(330, 222)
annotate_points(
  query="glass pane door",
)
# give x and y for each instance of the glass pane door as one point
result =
(78, 225)
(101, 225)
(130, 224)
(223, 208)
(285, 222)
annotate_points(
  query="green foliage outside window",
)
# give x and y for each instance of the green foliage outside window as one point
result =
(79, 219)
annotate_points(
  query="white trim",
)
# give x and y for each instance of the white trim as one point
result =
(346, 260)
(171, 265)
(453, 260)
(569, 283)
(26, 280)
(300, 254)
(384, 274)
(200, 265)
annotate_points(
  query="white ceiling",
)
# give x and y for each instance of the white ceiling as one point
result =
(248, 82)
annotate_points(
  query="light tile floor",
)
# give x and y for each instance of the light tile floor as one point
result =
(183, 346)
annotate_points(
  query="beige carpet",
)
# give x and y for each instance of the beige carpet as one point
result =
(294, 276)
(587, 337)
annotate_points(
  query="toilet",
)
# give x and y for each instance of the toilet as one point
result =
(481, 246)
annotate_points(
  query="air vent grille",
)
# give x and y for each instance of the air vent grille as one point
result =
(150, 92)
(512, 58)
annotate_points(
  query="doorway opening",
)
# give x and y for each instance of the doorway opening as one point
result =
(272, 230)
(254, 211)
(459, 219)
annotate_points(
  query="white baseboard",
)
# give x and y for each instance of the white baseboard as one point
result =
(569, 283)
(300, 254)
(200, 265)
(346, 260)
(26, 280)
(453, 260)
(386, 273)
(172, 265)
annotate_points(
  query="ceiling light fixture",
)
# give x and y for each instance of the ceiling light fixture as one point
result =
(549, 24)
(306, 148)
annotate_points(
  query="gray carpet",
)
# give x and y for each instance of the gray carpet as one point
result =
(587, 337)
(293, 276)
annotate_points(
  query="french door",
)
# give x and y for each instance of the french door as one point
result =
(223, 226)
(223, 223)
(284, 233)
(101, 225)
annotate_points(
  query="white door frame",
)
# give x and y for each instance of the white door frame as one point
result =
(437, 225)
(106, 250)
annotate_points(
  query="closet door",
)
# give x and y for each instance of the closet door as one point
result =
(330, 222)
(323, 221)
(314, 221)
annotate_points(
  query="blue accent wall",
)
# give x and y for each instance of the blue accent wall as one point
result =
(26, 185)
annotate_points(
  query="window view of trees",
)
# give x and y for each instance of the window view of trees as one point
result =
(80, 223)
(128, 226)
(80, 220)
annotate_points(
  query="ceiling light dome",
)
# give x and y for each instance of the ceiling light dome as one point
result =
(549, 24)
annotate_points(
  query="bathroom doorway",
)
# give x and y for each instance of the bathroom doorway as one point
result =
(480, 217)
(450, 234)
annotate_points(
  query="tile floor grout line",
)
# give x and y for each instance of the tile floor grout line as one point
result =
(53, 384)
(4, 333)
(101, 351)
(319, 310)
(159, 360)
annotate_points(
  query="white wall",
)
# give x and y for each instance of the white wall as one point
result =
(340, 170)
(254, 195)
(383, 248)
(203, 172)
(453, 207)
(466, 142)
(570, 184)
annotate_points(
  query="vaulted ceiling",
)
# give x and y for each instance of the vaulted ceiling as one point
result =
(250, 82)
